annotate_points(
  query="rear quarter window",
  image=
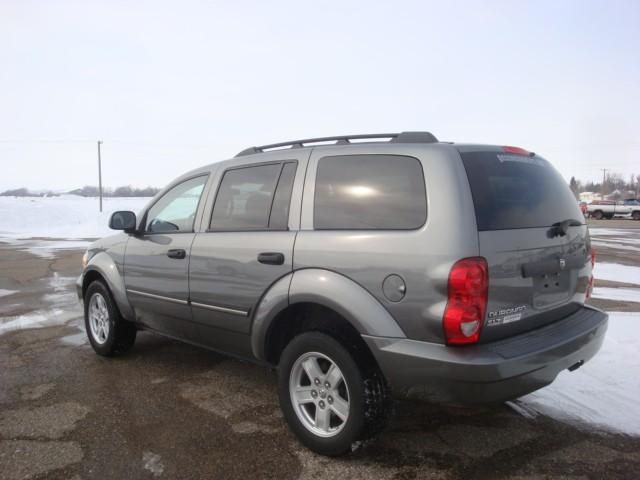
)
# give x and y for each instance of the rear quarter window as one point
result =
(515, 191)
(369, 192)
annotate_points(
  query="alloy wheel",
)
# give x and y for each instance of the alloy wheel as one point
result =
(99, 318)
(319, 394)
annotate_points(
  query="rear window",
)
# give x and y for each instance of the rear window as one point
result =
(514, 191)
(369, 192)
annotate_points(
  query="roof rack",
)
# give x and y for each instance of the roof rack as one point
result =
(403, 137)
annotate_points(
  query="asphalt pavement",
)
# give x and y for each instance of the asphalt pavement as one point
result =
(171, 410)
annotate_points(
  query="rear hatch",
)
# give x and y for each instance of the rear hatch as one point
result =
(533, 235)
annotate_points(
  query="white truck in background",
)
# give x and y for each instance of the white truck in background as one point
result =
(609, 209)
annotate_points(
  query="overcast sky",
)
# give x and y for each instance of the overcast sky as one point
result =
(169, 86)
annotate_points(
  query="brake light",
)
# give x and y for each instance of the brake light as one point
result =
(517, 151)
(593, 257)
(466, 302)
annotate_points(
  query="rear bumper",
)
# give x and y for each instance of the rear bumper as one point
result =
(492, 372)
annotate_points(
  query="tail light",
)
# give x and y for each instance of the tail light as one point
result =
(517, 151)
(593, 257)
(466, 302)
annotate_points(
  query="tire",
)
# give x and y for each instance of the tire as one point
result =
(597, 214)
(359, 391)
(636, 215)
(109, 333)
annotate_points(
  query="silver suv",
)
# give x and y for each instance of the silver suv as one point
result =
(360, 266)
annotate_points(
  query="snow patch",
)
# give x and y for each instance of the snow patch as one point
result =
(6, 293)
(615, 272)
(63, 308)
(66, 216)
(617, 246)
(46, 248)
(153, 462)
(37, 319)
(604, 393)
(620, 294)
(604, 232)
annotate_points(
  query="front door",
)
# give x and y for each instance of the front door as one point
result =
(157, 261)
(247, 247)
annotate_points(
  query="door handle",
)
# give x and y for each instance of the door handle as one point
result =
(177, 253)
(271, 258)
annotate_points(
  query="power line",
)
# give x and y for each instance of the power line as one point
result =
(45, 141)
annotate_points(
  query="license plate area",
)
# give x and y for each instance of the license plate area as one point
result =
(551, 288)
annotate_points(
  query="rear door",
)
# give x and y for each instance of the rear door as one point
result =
(252, 225)
(534, 238)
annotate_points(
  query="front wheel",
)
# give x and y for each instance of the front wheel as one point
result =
(109, 333)
(328, 399)
(636, 215)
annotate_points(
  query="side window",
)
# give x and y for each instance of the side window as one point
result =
(254, 198)
(175, 211)
(369, 192)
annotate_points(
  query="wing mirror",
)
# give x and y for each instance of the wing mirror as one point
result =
(123, 220)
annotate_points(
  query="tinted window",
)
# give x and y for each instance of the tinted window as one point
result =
(175, 211)
(245, 197)
(515, 191)
(369, 192)
(279, 219)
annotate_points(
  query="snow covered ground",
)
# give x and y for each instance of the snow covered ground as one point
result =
(604, 393)
(615, 272)
(63, 217)
(620, 294)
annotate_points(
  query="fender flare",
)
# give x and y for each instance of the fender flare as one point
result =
(329, 289)
(103, 264)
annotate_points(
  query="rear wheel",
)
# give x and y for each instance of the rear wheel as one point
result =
(636, 215)
(109, 333)
(597, 215)
(328, 399)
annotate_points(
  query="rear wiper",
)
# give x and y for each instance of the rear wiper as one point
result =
(560, 229)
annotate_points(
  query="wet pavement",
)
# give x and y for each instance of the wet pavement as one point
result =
(170, 410)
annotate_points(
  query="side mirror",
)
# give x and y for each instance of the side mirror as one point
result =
(123, 220)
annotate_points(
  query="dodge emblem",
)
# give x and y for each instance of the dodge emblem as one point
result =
(563, 263)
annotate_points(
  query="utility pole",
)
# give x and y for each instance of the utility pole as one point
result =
(604, 176)
(100, 175)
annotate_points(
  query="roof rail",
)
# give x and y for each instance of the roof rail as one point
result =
(403, 137)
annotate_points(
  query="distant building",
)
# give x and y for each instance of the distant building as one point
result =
(615, 195)
(589, 196)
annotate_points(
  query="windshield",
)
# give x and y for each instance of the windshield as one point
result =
(515, 191)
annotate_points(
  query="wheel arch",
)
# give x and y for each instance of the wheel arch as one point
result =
(103, 267)
(297, 301)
